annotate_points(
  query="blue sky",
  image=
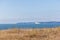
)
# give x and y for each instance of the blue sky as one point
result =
(13, 11)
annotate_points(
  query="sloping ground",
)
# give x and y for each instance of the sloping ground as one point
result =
(30, 34)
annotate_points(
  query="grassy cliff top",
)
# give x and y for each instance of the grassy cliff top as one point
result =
(30, 34)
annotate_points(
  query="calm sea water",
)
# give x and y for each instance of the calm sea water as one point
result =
(30, 25)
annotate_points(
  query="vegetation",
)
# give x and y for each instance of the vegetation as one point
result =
(30, 34)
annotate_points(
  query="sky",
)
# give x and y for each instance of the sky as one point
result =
(13, 11)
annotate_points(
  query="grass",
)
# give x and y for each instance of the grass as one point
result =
(30, 34)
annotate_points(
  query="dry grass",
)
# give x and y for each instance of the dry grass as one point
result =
(30, 34)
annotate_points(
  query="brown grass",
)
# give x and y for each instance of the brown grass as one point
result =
(30, 34)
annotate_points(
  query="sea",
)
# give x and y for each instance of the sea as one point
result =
(25, 25)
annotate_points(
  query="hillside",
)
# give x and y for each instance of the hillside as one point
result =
(30, 34)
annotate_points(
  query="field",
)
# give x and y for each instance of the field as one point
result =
(30, 34)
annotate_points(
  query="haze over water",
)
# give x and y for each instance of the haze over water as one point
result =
(14, 11)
